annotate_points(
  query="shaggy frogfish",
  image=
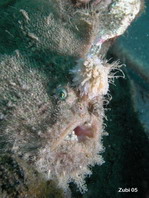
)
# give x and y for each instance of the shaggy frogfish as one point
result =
(54, 81)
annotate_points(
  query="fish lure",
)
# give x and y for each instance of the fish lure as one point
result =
(92, 74)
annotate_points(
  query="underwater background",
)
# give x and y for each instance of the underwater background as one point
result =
(126, 153)
(127, 146)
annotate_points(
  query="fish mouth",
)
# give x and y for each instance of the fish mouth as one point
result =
(82, 132)
(78, 132)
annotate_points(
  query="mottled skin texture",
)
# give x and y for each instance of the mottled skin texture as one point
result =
(40, 43)
(40, 50)
(35, 123)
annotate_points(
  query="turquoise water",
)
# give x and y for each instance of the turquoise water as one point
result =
(135, 42)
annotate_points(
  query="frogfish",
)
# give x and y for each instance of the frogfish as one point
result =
(54, 83)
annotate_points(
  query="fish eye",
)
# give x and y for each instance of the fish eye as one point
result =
(61, 93)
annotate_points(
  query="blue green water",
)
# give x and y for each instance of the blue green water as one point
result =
(135, 42)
